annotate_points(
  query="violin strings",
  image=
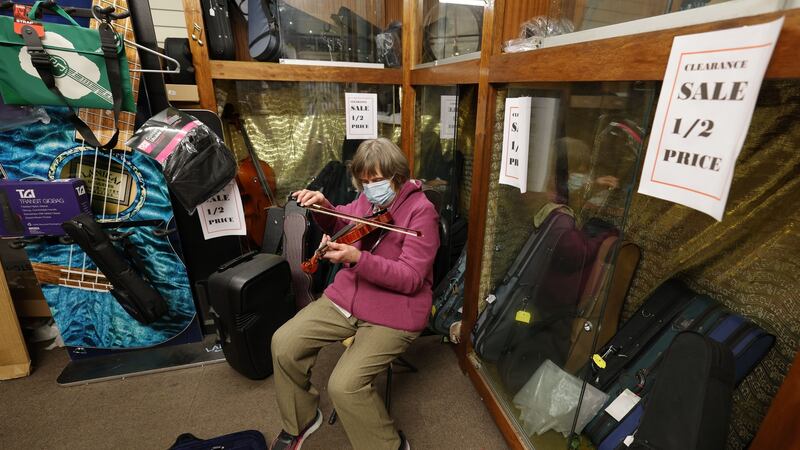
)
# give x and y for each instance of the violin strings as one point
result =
(396, 228)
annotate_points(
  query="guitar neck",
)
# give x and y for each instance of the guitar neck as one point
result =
(100, 121)
(78, 278)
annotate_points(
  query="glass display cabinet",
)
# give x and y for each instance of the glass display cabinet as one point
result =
(450, 29)
(336, 31)
(444, 131)
(299, 127)
(550, 283)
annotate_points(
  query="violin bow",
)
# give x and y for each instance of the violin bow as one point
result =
(330, 212)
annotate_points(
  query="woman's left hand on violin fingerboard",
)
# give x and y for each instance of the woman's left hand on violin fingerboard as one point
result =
(340, 253)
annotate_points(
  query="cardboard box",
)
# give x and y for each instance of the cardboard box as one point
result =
(14, 359)
(34, 208)
(182, 93)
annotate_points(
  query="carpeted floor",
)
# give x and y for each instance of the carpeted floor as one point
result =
(437, 408)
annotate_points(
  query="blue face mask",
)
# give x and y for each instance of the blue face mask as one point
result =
(577, 181)
(379, 193)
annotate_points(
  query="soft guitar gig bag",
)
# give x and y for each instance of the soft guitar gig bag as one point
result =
(133, 293)
(690, 405)
(248, 301)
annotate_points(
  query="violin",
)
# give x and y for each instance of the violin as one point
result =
(350, 234)
(256, 181)
(356, 230)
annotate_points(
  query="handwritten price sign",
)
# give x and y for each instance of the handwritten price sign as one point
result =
(516, 135)
(710, 89)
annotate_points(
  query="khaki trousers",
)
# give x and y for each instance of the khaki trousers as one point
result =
(294, 351)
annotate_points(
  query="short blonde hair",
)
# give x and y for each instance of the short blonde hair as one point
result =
(380, 155)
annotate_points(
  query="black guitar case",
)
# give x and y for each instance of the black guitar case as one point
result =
(178, 49)
(219, 35)
(249, 301)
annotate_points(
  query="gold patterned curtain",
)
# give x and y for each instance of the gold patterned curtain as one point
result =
(297, 128)
(751, 259)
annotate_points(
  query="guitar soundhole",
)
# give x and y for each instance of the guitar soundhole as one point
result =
(112, 189)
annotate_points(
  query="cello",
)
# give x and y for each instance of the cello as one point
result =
(256, 181)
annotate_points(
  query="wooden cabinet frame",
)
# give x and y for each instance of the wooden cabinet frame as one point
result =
(634, 57)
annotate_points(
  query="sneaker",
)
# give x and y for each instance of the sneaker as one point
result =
(404, 445)
(286, 441)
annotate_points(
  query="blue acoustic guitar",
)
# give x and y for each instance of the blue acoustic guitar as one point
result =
(128, 195)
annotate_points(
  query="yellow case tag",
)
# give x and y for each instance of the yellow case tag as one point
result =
(523, 316)
(599, 361)
(433, 310)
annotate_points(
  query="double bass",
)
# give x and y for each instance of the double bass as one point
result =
(256, 181)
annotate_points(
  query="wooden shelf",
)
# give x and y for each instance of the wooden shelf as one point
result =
(253, 70)
(635, 57)
(464, 72)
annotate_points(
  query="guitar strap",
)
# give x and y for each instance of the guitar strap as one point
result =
(137, 297)
(41, 62)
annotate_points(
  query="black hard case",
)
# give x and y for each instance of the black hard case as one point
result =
(249, 301)
(219, 35)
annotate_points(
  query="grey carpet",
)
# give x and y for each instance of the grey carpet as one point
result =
(437, 408)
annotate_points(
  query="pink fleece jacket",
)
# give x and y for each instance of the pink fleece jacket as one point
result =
(392, 284)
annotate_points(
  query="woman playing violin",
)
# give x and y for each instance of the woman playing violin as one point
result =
(382, 298)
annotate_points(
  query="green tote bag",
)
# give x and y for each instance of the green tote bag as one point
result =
(69, 66)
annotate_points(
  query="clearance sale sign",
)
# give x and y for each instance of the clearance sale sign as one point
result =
(710, 89)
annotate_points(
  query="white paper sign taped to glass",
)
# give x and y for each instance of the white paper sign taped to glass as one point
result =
(223, 214)
(516, 133)
(710, 89)
(544, 111)
(361, 111)
(447, 114)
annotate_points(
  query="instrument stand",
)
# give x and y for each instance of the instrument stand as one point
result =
(141, 362)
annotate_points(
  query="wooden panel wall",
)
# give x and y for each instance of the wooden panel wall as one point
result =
(392, 10)
(168, 19)
(518, 11)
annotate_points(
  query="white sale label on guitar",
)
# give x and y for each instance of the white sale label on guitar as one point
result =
(710, 89)
(516, 133)
(361, 111)
(223, 214)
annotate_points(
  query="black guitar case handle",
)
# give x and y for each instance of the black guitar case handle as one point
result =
(134, 294)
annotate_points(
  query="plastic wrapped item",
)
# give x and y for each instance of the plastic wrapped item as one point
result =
(522, 44)
(549, 400)
(533, 31)
(390, 45)
(13, 116)
(195, 161)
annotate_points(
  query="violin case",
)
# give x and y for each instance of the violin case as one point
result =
(643, 343)
(249, 299)
(219, 34)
